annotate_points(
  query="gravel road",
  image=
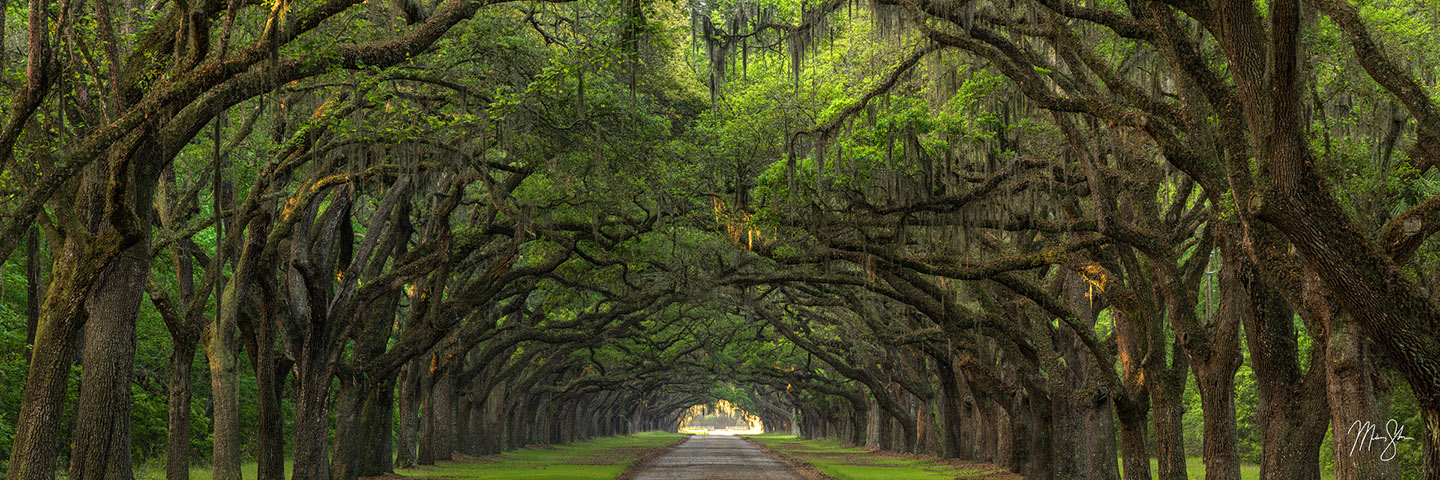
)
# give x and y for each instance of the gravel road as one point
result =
(716, 458)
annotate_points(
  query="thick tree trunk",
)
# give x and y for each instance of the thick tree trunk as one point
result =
(270, 422)
(1067, 442)
(1167, 400)
(490, 426)
(463, 408)
(1221, 438)
(362, 430)
(1430, 441)
(177, 436)
(879, 424)
(987, 417)
(1101, 452)
(1349, 376)
(270, 375)
(349, 444)
(37, 428)
(1013, 442)
(409, 411)
(101, 443)
(1132, 405)
(858, 414)
(443, 397)
(1136, 456)
(225, 402)
(1043, 431)
(75, 273)
(925, 441)
(1097, 425)
(312, 410)
(480, 426)
(1293, 410)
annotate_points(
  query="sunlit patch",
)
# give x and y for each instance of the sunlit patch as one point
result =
(739, 226)
(720, 418)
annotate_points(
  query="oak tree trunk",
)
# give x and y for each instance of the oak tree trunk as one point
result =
(101, 442)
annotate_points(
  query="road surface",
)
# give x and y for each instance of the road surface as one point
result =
(705, 457)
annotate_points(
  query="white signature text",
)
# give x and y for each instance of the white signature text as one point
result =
(1366, 434)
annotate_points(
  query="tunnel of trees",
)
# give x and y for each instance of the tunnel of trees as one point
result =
(1060, 236)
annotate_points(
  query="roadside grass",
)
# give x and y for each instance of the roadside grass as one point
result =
(156, 471)
(598, 459)
(855, 463)
(1195, 469)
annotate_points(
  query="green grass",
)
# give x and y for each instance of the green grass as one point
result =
(601, 458)
(853, 463)
(1195, 469)
(157, 471)
(598, 459)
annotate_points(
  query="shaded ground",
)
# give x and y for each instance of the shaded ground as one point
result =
(596, 459)
(855, 463)
(716, 457)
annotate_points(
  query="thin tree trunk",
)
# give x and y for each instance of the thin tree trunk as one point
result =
(1215, 367)
(4, 14)
(427, 415)
(32, 289)
(223, 351)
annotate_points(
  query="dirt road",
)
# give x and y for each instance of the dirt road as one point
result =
(716, 458)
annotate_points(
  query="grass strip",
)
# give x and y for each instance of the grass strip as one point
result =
(805, 469)
(844, 462)
(596, 459)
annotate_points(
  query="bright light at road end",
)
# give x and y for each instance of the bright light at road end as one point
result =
(720, 418)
